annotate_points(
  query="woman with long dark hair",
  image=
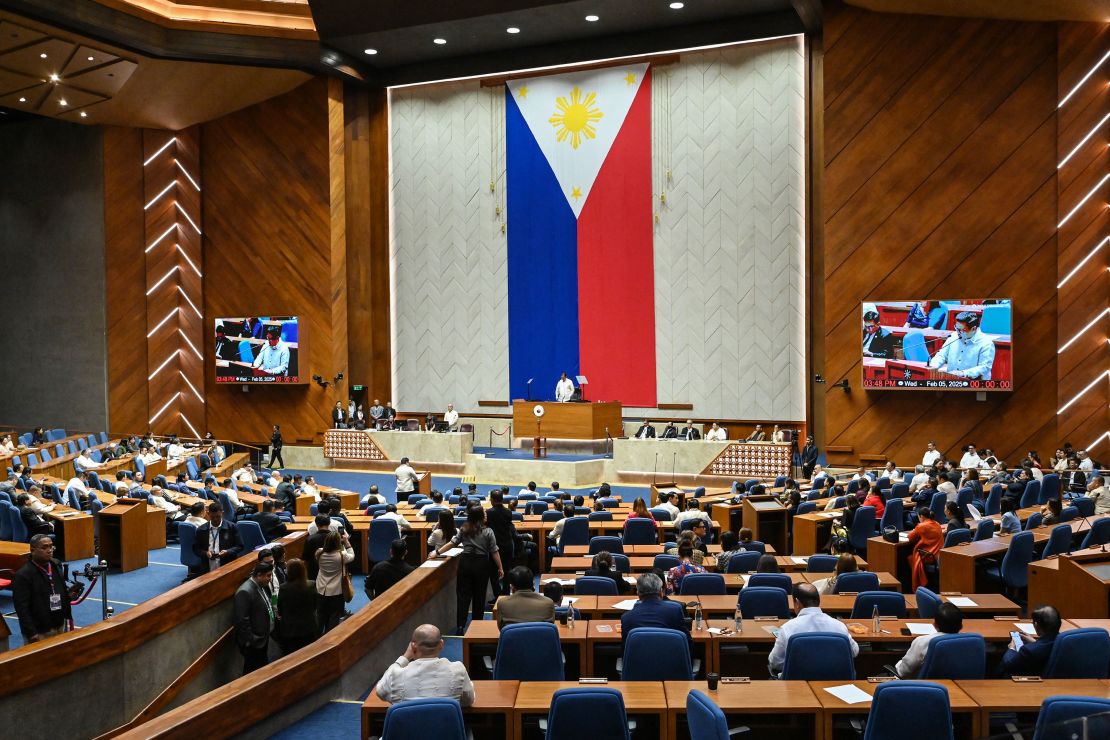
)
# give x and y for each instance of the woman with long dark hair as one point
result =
(443, 532)
(479, 548)
(298, 624)
(331, 560)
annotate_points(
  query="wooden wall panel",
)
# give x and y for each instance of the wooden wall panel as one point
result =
(1083, 391)
(940, 181)
(268, 250)
(125, 265)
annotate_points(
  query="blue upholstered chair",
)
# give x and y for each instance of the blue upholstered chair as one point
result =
(927, 703)
(858, 582)
(763, 601)
(819, 656)
(1079, 653)
(1062, 718)
(955, 657)
(890, 604)
(419, 719)
(703, 584)
(529, 651)
(587, 712)
(656, 654)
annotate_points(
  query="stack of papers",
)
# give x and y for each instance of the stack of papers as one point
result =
(920, 629)
(568, 600)
(849, 693)
(1026, 627)
(432, 563)
(961, 601)
(625, 605)
(453, 552)
(799, 560)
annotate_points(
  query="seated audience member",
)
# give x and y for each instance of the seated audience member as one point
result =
(217, 542)
(757, 435)
(646, 431)
(162, 500)
(948, 621)
(1016, 488)
(32, 519)
(275, 479)
(421, 674)
(666, 502)
(872, 497)
(556, 533)
(891, 472)
(746, 537)
(272, 526)
(40, 593)
(196, 515)
(34, 500)
(730, 545)
(84, 462)
(685, 566)
(652, 609)
(1029, 658)
(845, 563)
(78, 485)
(603, 567)
(767, 564)
(38, 437)
(947, 487)
(285, 494)
(1051, 511)
(554, 591)
(670, 432)
(1072, 479)
(523, 604)
(716, 433)
(955, 516)
(1096, 490)
(926, 540)
(810, 619)
(689, 431)
(296, 609)
(7, 445)
(920, 478)
(388, 572)
(254, 617)
(245, 474)
(1010, 522)
(391, 513)
(240, 508)
(693, 511)
(444, 531)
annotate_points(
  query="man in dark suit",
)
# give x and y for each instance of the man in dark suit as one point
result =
(646, 431)
(689, 431)
(40, 593)
(809, 457)
(339, 416)
(254, 617)
(314, 542)
(651, 610)
(1033, 654)
(388, 572)
(877, 341)
(285, 494)
(217, 542)
(271, 525)
(500, 520)
(671, 431)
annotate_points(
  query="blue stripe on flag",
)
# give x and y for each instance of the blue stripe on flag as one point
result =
(542, 266)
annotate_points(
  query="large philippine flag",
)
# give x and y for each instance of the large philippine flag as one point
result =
(580, 264)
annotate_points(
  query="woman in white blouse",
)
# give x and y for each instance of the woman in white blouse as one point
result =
(443, 533)
(7, 445)
(332, 558)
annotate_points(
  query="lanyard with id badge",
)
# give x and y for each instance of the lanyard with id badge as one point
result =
(55, 597)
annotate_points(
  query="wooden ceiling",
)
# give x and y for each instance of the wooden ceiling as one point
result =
(1097, 11)
(53, 73)
(283, 18)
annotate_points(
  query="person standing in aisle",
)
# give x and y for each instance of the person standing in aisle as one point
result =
(275, 448)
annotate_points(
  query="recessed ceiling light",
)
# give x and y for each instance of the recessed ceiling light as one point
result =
(91, 58)
(441, 42)
(62, 102)
(592, 18)
(23, 100)
(84, 114)
(371, 52)
(42, 55)
(678, 6)
(54, 77)
(512, 29)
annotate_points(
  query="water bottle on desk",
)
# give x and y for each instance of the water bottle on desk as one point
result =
(738, 620)
(875, 623)
(697, 617)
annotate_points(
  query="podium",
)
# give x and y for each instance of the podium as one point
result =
(1084, 584)
(123, 534)
(766, 518)
(423, 483)
(568, 420)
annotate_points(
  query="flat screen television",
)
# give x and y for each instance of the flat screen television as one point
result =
(953, 345)
(258, 349)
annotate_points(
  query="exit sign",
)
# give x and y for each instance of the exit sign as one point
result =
(358, 387)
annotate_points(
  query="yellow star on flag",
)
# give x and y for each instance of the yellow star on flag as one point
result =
(576, 193)
(523, 92)
(630, 79)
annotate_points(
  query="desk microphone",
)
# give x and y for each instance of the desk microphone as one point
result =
(1090, 528)
(656, 470)
(673, 458)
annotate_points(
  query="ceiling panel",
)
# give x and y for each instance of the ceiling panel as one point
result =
(87, 58)
(106, 80)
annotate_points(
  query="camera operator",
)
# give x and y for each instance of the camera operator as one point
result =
(40, 593)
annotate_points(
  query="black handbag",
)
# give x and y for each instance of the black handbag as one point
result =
(890, 533)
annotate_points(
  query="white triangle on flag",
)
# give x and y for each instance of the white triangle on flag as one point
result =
(575, 118)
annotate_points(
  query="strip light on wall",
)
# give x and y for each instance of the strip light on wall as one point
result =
(1086, 77)
(1082, 392)
(159, 239)
(191, 345)
(1101, 437)
(163, 148)
(169, 359)
(189, 424)
(164, 278)
(187, 175)
(1084, 140)
(186, 215)
(169, 316)
(1083, 331)
(191, 304)
(162, 410)
(1086, 198)
(191, 386)
(1082, 262)
(158, 197)
(191, 263)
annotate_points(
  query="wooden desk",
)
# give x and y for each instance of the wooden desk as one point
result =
(156, 528)
(813, 531)
(891, 557)
(567, 420)
(793, 702)
(13, 555)
(1003, 696)
(423, 484)
(965, 712)
(491, 698)
(640, 698)
(767, 519)
(73, 532)
(123, 534)
(486, 633)
(1084, 579)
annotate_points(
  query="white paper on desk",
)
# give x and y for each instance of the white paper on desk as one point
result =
(453, 552)
(903, 536)
(630, 579)
(920, 629)
(568, 600)
(849, 693)
(799, 560)
(432, 563)
(830, 514)
(961, 601)
(715, 631)
(605, 628)
(563, 581)
(625, 605)
(1026, 627)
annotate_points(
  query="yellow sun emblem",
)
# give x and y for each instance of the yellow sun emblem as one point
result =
(575, 118)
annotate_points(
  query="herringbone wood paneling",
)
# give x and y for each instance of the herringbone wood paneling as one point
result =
(940, 181)
(125, 265)
(267, 250)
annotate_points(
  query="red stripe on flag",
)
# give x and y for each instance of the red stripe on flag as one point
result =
(616, 272)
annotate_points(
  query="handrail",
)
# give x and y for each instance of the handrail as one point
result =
(247, 700)
(171, 692)
(33, 665)
(21, 429)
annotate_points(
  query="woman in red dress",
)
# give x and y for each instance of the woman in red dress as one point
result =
(926, 539)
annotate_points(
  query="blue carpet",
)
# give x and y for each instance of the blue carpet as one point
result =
(518, 454)
(334, 719)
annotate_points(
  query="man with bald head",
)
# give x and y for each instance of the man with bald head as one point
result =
(421, 674)
(807, 605)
